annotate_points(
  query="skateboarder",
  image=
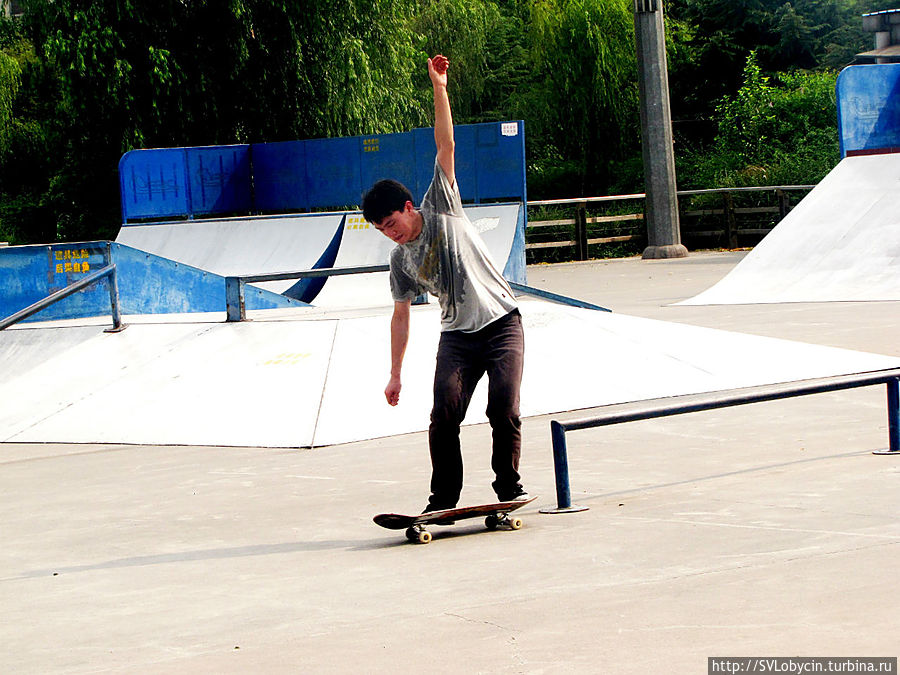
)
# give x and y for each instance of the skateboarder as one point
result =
(438, 251)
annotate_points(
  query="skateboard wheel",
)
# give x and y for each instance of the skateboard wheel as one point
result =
(515, 523)
(418, 535)
(492, 522)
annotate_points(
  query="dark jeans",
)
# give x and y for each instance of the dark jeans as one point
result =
(462, 358)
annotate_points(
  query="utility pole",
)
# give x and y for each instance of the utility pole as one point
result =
(663, 231)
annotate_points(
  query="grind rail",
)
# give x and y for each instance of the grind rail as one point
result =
(236, 309)
(665, 407)
(108, 273)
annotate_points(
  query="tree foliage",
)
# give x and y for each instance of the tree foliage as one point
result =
(82, 81)
(134, 73)
(769, 132)
(584, 60)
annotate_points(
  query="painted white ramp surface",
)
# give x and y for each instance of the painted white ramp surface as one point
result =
(235, 246)
(362, 244)
(241, 384)
(314, 379)
(840, 243)
(607, 358)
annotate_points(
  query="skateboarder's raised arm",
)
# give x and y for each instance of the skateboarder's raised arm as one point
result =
(443, 120)
(399, 340)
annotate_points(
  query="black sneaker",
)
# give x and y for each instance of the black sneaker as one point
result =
(518, 496)
(430, 508)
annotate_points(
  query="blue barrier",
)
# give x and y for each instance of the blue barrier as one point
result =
(316, 174)
(868, 102)
(107, 273)
(147, 284)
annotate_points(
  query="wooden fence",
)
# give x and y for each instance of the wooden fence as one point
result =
(716, 218)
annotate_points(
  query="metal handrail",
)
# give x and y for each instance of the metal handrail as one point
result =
(234, 286)
(108, 272)
(678, 406)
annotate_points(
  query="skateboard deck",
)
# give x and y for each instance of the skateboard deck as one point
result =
(496, 516)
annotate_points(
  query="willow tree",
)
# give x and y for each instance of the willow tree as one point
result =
(331, 69)
(151, 73)
(10, 74)
(586, 97)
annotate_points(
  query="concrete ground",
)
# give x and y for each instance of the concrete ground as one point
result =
(763, 530)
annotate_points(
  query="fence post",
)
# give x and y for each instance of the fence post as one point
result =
(784, 203)
(730, 221)
(893, 405)
(581, 245)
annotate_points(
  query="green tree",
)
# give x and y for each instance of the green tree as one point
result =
(773, 131)
(462, 31)
(10, 79)
(136, 73)
(28, 136)
(584, 98)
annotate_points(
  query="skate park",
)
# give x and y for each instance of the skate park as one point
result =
(196, 494)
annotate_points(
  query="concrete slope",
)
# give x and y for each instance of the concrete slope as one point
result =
(236, 246)
(575, 358)
(317, 380)
(840, 243)
(242, 384)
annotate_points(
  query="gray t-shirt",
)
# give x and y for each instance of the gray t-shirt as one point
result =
(449, 260)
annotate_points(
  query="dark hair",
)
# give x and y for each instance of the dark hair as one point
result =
(385, 197)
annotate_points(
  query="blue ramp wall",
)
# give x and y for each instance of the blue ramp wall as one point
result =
(868, 100)
(147, 283)
(317, 174)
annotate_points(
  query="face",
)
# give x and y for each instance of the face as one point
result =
(401, 226)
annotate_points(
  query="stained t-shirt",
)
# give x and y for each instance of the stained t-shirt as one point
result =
(449, 260)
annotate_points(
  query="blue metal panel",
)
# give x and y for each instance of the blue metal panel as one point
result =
(31, 273)
(316, 174)
(219, 179)
(466, 166)
(332, 172)
(387, 156)
(153, 184)
(868, 99)
(500, 157)
(148, 284)
(279, 177)
(424, 160)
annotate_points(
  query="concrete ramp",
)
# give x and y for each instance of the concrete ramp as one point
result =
(175, 384)
(840, 243)
(308, 379)
(362, 244)
(235, 246)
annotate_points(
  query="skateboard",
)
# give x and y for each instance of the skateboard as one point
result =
(496, 515)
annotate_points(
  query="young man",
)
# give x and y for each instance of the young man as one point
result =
(438, 251)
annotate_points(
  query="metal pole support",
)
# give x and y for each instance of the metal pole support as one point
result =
(893, 405)
(561, 470)
(234, 299)
(112, 283)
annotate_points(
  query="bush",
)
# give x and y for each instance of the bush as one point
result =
(773, 131)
